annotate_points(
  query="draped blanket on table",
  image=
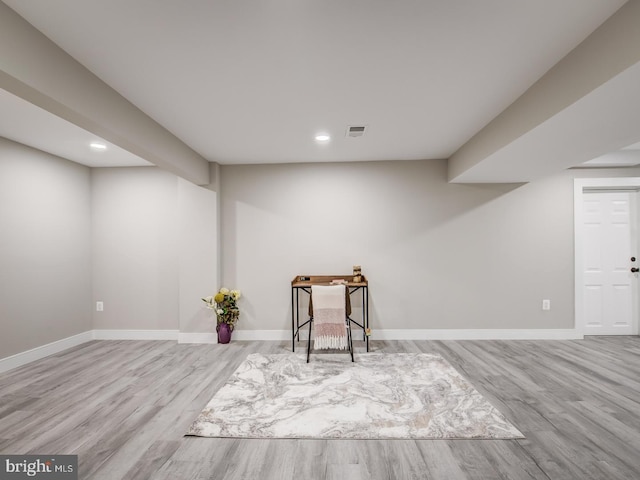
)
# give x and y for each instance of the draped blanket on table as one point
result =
(329, 317)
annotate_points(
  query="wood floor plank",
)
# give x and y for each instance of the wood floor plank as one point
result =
(440, 460)
(311, 459)
(405, 460)
(372, 455)
(123, 408)
(153, 458)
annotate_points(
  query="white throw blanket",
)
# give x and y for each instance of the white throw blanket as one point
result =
(329, 317)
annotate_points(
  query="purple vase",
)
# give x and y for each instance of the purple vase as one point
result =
(224, 333)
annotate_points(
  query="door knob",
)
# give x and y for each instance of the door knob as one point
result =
(635, 270)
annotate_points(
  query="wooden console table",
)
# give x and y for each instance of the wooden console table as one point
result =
(304, 282)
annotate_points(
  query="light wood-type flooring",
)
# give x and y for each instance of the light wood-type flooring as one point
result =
(123, 407)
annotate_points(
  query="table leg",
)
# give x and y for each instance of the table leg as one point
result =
(298, 313)
(365, 296)
(293, 325)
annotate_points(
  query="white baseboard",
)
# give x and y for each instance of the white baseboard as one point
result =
(476, 334)
(37, 353)
(135, 334)
(243, 335)
(428, 334)
(197, 338)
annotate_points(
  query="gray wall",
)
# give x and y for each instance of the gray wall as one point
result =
(45, 244)
(135, 258)
(438, 255)
(154, 250)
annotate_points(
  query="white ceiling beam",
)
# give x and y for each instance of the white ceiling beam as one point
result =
(38, 71)
(566, 117)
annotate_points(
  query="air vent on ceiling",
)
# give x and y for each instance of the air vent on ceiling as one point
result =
(355, 131)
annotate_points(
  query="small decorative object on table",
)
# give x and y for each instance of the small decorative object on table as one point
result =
(357, 274)
(224, 303)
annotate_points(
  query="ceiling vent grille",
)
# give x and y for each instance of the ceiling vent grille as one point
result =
(356, 131)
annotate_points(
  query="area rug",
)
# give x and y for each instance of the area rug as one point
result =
(380, 396)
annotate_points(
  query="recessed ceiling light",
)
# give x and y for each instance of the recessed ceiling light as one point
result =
(98, 146)
(322, 137)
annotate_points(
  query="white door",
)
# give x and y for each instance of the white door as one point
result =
(610, 287)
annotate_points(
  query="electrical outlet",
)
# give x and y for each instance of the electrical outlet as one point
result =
(99, 306)
(546, 304)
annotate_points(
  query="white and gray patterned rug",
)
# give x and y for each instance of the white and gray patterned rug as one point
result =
(380, 396)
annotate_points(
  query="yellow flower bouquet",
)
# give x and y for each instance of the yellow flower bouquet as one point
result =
(224, 303)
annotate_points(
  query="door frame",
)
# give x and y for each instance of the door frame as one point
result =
(579, 187)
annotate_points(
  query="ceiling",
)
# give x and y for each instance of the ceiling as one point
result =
(245, 82)
(626, 157)
(28, 124)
